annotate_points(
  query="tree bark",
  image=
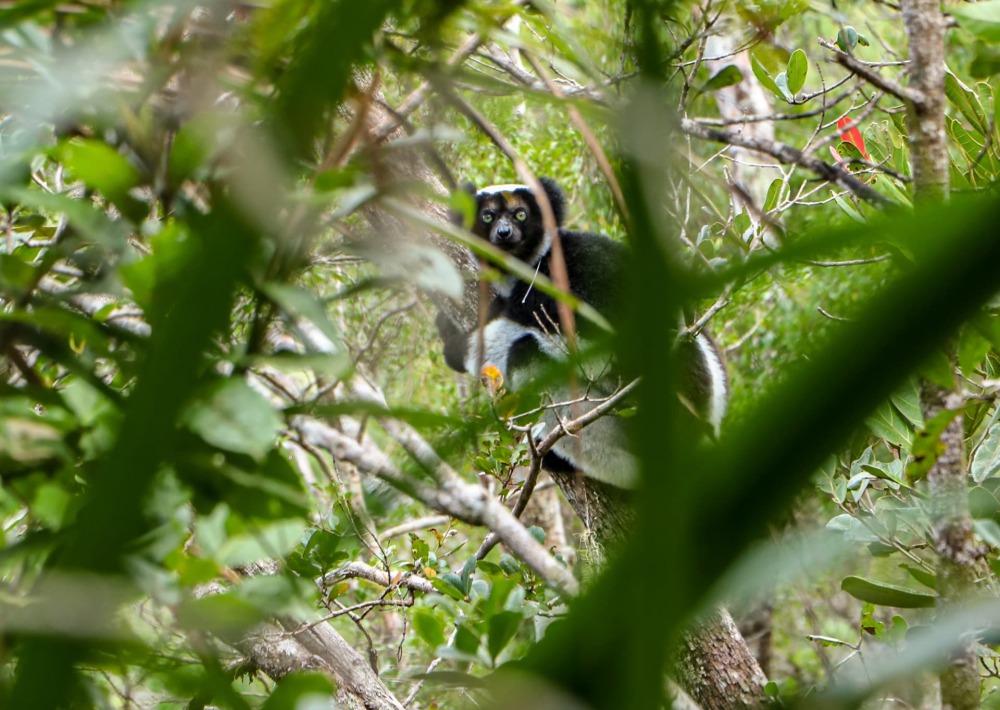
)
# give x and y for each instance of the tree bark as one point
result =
(958, 553)
(925, 28)
(713, 663)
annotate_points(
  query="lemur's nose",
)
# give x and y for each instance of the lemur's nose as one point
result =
(503, 230)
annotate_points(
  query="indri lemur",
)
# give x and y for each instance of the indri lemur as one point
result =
(522, 323)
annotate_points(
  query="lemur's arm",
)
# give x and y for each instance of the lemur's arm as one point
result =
(456, 342)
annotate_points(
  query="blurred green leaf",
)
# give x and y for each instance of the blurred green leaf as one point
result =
(429, 627)
(729, 75)
(101, 167)
(764, 76)
(884, 594)
(986, 461)
(966, 101)
(269, 542)
(301, 691)
(231, 415)
(981, 18)
(224, 615)
(502, 627)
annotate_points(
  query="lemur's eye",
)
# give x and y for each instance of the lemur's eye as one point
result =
(521, 215)
(487, 217)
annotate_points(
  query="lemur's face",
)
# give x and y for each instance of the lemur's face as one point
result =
(509, 219)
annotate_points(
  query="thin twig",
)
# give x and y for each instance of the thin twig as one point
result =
(787, 154)
(864, 71)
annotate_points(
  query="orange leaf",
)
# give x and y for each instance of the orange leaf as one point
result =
(852, 136)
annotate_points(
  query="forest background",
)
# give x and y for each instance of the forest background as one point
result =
(236, 471)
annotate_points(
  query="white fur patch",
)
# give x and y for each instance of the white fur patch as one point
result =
(498, 336)
(601, 451)
(499, 189)
(717, 382)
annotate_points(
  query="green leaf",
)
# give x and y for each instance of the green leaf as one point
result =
(926, 578)
(981, 18)
(297, 302)
(985, 61)
(973, 346)
(231, 415)
(224, 615)
(869, 624)
(988, 530)
(764, 76)
(773, 195)
(537, 533)
(986, 462)
(16, 275)
(428, 627)
(509, 564)
(927, 446)
(272, 541)
(467, 569)
(50, 504)
(466, 640)
(457, 582)
(892, 426)
(907, 400)
(781, 81)
(502, 627)
(798, 67)
(965, 100)
(273, 594)
(448, 587)
(729, 75)
(302, 690)
(885, 594)
(101, 167)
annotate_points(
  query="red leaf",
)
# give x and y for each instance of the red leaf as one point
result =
(852, 136)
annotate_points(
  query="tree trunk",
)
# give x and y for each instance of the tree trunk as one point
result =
(713, 664)
(958, 553)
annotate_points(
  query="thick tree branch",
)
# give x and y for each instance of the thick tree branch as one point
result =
(470, 503)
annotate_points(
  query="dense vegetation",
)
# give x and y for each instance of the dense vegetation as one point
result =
(236, 472)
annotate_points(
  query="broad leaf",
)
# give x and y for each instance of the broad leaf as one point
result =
(231, 415)
(798, 67)
(885, 594)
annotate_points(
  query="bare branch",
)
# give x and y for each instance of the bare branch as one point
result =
(787, 154)
(864, 71)
(373, 574)
(413, 525)
(467, 502)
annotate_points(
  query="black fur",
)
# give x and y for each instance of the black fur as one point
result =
(521, 320)
(594, 263)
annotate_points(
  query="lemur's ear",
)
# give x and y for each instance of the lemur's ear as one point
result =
(556, 198)
(457, 216)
